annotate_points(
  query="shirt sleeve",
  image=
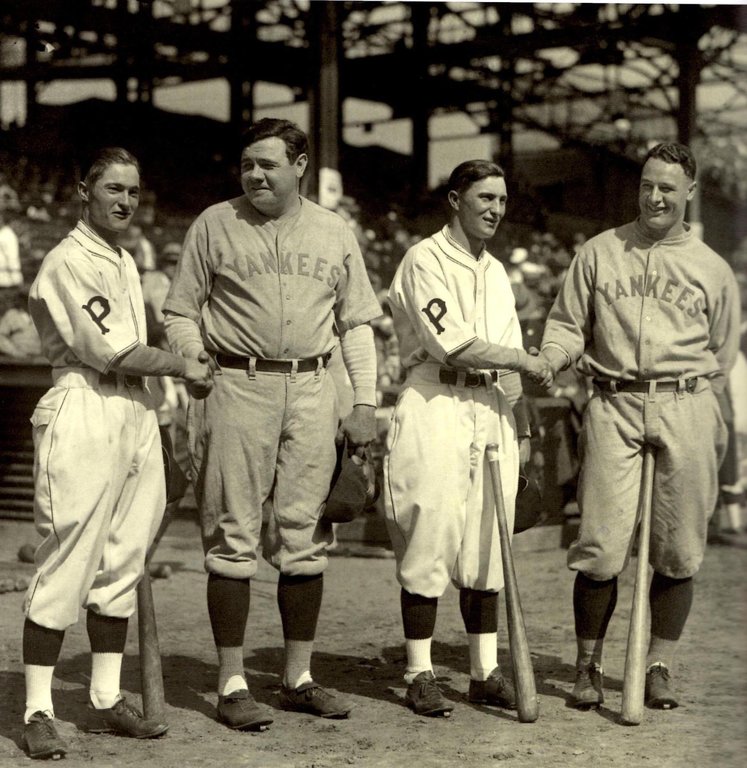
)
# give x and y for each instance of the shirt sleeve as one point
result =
(94, 322)
(192, 281)
(433, 311)
(569, 322)
(356, 301)
(725, 328)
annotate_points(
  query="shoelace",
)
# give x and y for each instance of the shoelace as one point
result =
(317, 692)
(429, 688)
(659, 670)
(124, 707)
(45, 724)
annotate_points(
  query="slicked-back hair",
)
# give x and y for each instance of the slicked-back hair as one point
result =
(467, 173)
(674, 152)
(105, 157)
(296, 141)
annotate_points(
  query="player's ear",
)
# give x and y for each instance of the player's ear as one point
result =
(301, 162)
(691, 190)
(453, 198)
(83, 191)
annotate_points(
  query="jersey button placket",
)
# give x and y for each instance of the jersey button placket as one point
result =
(645, 348)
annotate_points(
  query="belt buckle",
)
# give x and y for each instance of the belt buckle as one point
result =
(690, 384)
(472, 380)
(131, 382)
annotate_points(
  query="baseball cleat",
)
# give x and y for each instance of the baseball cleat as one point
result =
(424, 697)
(587, 692)
(314, 700)
(496, 690)
(125, 720)
(658, 693)
(239, 710)
(42, 741)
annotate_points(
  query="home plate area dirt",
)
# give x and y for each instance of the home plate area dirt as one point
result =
(360, 652)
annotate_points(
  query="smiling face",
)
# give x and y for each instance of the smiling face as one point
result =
(110, 203)
(663, 193)
(479, 209)
(270, 181)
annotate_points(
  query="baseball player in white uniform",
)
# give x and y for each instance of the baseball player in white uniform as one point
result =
(266, 286)
(651, 313)
(98, 469)
(460, 343)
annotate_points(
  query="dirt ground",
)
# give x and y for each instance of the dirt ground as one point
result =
(360, 652)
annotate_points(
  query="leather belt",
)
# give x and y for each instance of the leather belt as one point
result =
(127, 379)
(688, 385)
(272, 366)
(471, 379)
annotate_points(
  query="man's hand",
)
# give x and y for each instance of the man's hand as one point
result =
(525, 451)
(199, 375)
(360, 425)
(538, 368)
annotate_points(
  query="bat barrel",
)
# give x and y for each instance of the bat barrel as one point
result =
(527, 705)
(634, 680)
(151, 676)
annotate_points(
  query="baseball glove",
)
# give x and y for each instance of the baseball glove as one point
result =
(529, 507)
(353, 488)
(176, 480)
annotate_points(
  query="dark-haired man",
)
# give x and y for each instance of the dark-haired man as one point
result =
(460, 344)
(651, 313)
(98, 471)
(267, 285)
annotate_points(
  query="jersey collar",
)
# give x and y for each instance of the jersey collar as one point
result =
(93, 243)
(454, 250)
(686, 234)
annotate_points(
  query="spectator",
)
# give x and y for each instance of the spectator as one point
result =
(18, 336)
(11, 275)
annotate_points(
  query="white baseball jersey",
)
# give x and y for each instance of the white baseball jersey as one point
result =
(86, 303)
(439, 506)
(442, 299)
(99, 488)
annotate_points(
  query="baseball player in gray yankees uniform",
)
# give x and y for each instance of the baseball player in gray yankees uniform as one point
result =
(98, 471)
(460, 343)
(266, 285)
(652, 314)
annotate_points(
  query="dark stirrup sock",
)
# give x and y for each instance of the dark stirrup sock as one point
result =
(107, 634)
(41, 645)
(671, 600)
(299, 601)
(479, 611)
(418, 615)
(228, 608)
(593, 605)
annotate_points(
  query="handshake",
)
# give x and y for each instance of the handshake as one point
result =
(538, 368)
(198, 375)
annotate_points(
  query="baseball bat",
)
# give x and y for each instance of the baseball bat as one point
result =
(634, 680)
(527, 704)
(151, 674)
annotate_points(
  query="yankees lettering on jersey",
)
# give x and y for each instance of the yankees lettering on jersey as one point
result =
(245, 266)
(274, 289)
(669, 290)
(636, 309)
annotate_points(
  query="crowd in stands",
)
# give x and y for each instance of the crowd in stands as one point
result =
(37, 210)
